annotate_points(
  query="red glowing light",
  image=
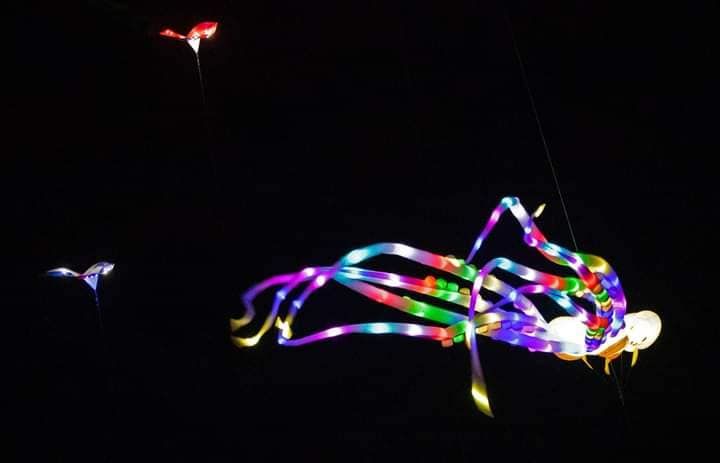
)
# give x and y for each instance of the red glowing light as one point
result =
(203, 30)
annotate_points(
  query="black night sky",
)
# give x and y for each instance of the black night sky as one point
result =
(328, 126)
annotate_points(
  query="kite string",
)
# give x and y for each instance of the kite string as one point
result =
(107, 364)
(210, 138)
(202, 84)
(206, 122)
(618, 385)
(539, 126)
(99, 314)
(533, 106)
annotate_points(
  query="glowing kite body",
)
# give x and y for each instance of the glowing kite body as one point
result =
(203, 30)
(506, 314)
(89, 276)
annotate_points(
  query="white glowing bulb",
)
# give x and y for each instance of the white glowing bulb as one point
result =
(107, 269)
(403, 250)
(568, 329)
(308, 272)
(357, 256)
(379, 328)
(332, 332)
(393, 280)
(528, 273)
(642, 329)
(414, 330)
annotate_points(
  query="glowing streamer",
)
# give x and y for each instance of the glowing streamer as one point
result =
(89, 276)
(596, 324)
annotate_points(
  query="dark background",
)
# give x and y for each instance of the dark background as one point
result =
(331, 125)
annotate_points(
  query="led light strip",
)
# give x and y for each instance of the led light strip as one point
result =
(513, 318)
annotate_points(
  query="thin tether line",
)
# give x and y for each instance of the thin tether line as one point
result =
(526, 82)
(539, 126)
(210, 148)
(206, 120)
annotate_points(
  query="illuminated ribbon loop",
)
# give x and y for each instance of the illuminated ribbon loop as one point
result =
(508, 316)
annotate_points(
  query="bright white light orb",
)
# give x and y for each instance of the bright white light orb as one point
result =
(568, 329)
(642, 329)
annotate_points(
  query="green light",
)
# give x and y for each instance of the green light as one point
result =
(573, 285)
(431, 312)
(603, 296)
(468, 272)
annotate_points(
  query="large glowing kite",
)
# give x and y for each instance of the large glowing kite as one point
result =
(203, 30)
(596, 325)
(89, 276)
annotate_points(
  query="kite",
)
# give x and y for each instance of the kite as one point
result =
(89, 276)
(596, 323)
(203, 30)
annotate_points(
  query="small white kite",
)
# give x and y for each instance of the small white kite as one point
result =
(89, 276)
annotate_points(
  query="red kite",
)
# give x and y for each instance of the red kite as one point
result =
(203, 30)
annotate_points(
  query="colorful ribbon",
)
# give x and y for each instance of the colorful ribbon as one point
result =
(512, 318)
